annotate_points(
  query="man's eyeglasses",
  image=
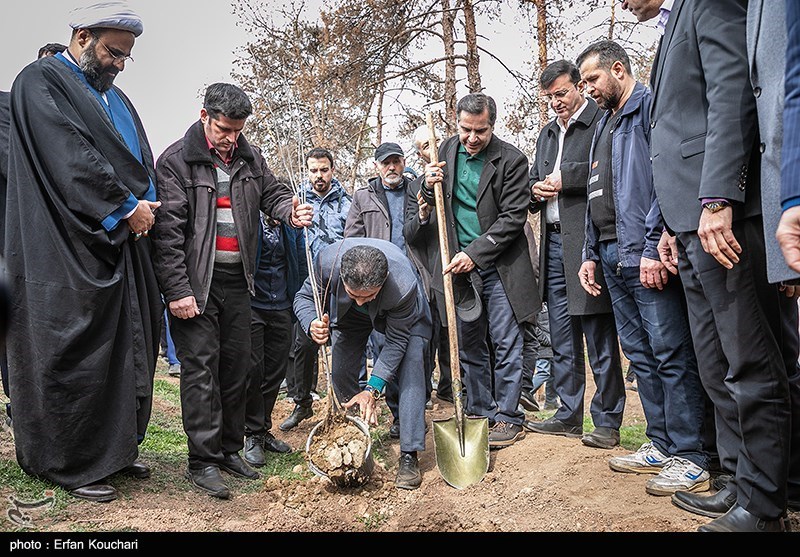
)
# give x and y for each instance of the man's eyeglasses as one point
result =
(116, 55)
(558, 95)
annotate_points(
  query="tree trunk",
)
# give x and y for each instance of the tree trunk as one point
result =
(473, 59)
(448, 34)
(379, 115)
(357, 156)
(613, 20)
(541, 39)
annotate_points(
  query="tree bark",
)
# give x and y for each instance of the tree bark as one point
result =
(613, 20)
(541, 39)
(448, 38)
(473, 58)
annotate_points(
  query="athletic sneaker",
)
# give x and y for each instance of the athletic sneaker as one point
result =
(647, 460)
(679, 474)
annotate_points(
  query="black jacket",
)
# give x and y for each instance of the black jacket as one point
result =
(503, 196)
(186, 223)
(571, 206)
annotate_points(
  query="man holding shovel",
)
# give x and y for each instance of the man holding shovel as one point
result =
(485, 189)
(371, 285)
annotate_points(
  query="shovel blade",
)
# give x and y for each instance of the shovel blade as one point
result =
(462, 468)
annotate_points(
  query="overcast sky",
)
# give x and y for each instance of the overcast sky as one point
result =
(187, 45)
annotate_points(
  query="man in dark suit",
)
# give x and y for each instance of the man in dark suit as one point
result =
(485, 187)
(789, 228)
(373, 286)
(704, 146)
(558, 176)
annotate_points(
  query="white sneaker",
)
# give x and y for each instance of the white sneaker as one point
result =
(647, 460)
(679, 474)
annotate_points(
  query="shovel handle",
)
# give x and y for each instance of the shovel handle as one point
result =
(449, 300)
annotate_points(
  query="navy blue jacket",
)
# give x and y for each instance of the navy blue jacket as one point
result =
(639, 222)
(296, 264)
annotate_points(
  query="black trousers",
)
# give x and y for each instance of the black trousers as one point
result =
(746, 341)
(271, 337)
(440, 350)
(214, 351)
(301, 376)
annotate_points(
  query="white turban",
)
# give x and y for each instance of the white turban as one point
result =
(110, 15)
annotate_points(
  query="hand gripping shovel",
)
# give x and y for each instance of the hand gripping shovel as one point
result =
(462, 443)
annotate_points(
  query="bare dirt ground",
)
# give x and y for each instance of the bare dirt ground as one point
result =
(542, 483)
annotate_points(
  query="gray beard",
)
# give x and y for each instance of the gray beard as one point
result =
(93, 70)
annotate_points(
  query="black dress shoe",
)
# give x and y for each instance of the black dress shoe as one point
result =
(554, 426)
(99, 493)
(712, 506)
(254, 450)
(138, 470)
(209, 480)
(528, 402)
(601, 438)
(408, 474)
(719, 480)
(394, 430)
(739, 520)
(299, 414)
(233, 464)
(275, 445)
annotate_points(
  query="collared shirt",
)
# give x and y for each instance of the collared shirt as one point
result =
(551, 214)
(663, 16)
(465, 195)
(214, 151)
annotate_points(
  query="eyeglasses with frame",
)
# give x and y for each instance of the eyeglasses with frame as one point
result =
(116, 55)
(558, 95)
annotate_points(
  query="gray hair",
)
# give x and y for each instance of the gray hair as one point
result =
(364, 267)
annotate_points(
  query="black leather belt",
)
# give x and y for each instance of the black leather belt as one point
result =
(553, 227)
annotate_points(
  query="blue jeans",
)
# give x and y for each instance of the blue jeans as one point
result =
(543, 376)
(653, 330)
(172, 358)
(492, 391)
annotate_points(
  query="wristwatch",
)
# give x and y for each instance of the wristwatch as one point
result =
(375, 393)
(715, 206)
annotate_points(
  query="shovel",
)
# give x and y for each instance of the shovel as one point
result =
(462, 443)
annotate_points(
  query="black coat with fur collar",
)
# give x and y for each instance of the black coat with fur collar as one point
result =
(186, 224)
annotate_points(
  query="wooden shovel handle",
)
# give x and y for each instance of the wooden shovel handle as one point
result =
(449, 300)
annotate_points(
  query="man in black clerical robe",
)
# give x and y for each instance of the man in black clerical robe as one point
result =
(84, 333)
